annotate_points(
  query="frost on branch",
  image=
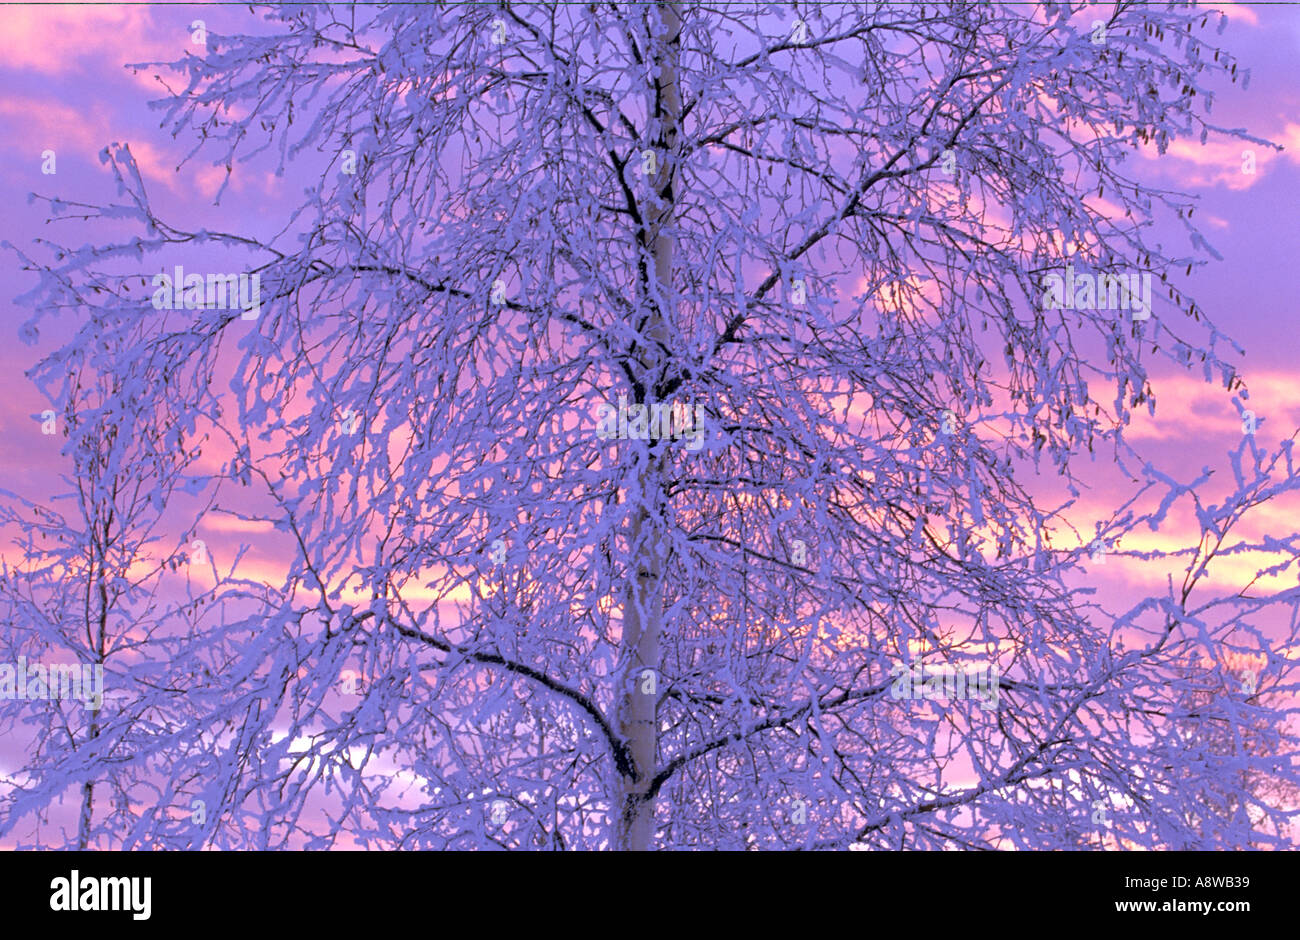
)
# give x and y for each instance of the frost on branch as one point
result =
(487, 624)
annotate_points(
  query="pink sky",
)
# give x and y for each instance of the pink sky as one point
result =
(66, 90)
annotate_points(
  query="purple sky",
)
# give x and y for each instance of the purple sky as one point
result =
(66, 90)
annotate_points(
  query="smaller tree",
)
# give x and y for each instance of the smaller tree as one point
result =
(89, 584)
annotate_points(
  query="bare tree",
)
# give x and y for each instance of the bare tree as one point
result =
(639, 386)
(85, 587)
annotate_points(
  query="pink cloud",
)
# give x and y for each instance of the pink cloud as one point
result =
(38, 124)
(1189, 409)
(1228, 162)
(1237, 12)
(59, 40)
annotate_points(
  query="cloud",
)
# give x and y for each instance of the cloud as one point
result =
(37, 123)
(1189, 409)
(1227, 162)
(63, 40)
(82, 132)
(1237, 12)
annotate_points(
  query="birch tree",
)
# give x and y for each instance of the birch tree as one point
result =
(82, 591)
(640, 391)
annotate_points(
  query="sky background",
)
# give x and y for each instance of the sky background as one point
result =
(65, 88)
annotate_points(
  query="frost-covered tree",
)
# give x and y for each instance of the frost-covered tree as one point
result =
(639, 389)
(89, 644)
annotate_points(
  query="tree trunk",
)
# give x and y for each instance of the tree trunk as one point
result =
(643, 600)
(101, 645)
